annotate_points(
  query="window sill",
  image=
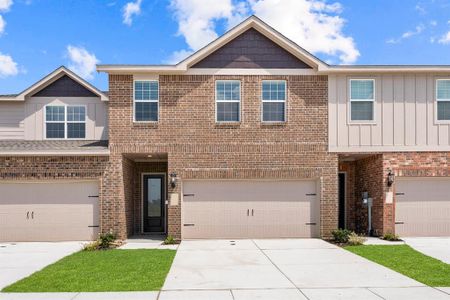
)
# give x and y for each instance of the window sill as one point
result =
(146, 124)
(268, 124)
(227, 124)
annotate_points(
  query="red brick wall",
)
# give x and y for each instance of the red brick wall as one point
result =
(197, 147)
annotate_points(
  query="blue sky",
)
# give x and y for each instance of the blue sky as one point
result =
(37, 36)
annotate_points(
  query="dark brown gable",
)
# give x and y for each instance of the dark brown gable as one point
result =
(251, 50)
(65, 87)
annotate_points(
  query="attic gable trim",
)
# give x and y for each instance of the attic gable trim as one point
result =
(52, 77)
(264, 29)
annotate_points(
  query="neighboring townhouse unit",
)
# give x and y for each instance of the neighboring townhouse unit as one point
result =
(53, 153)
(249, 137)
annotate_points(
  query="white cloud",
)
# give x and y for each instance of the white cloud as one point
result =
(421, 9)
(5, 5)
(8, 67)
(129, 10)
(178, 56)
(313, 24)
(81, 61)
(445, 39)
(2, 25)
(408, 34)
(433, 23)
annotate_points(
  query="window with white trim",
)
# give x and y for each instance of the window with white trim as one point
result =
(443, 99)
(228, 100)
(65, 122)
(146, 101)
(274, 101)
(362, 99)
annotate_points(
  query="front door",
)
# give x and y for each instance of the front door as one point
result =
(154, 203)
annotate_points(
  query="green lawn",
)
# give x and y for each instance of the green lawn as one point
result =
(100, 271)
(407, 261)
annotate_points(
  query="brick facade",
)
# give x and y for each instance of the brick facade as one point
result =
(198, 147)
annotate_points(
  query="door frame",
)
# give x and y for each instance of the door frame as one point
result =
(345, 198)
(164, 175)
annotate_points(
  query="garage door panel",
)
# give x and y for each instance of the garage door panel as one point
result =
(423, 207)
(49, 211)
(249, 208)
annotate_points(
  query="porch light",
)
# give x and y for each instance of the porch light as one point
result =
(390, 178)
(173, 179)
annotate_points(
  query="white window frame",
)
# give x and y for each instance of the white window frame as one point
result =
(228, 101)
(65, 121)
(373, 100)
(274, 101)
(146, 101)
(436, 120)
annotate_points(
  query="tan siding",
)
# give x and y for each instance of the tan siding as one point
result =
(96, 116)
(404, 116)
(11, 121)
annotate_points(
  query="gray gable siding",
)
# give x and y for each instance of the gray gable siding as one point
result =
(251, 50)
(64, 87)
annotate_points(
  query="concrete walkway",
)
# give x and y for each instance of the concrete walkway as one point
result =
(18, 260)
(283, 269)
(437, 247)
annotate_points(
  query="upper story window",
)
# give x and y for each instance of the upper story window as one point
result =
(443, 99)
(228, 100)
(362, 99)
(65, 122)
(146, 101)
(274, 101)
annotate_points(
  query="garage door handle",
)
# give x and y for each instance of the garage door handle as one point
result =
(399, 222)
(310, 223)
(399, 194)
(252, 212)
(93, 226)
(248, 212)
(28, 214)
(32, 214)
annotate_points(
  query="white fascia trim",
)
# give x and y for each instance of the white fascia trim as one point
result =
(55, 153)
(381, 149)
(372, 70)
(201, 71)
(53, 76)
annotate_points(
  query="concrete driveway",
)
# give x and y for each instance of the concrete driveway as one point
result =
(18, 260)
(437, 247)
(283, 269)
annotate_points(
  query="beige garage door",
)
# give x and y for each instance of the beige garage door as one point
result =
(422, 207)
(49, 211)
(250, 209)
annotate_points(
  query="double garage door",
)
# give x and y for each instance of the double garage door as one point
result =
(422, 207)
(250, 209)
(49, 211)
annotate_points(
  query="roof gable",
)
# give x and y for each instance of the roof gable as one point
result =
(64, 87)
(251, 50)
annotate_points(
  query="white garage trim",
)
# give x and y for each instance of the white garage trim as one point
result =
(256, 208)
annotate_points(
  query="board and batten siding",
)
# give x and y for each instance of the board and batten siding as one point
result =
(404, 112)
(12, 121)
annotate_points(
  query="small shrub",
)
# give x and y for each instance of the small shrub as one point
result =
(105, 240)
(341, 235)
(355, 239)
(391, 237)
(169, 240)
(92, 246)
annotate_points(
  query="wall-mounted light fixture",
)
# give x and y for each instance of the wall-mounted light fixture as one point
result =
(390, 178)
(173, 179)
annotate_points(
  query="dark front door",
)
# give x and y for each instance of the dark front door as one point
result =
(342, 200)
(154, 203)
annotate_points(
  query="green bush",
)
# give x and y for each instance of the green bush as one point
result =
(169, 240)
(355, 239)
(104, 241)
(341, 235)
(391, 237)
